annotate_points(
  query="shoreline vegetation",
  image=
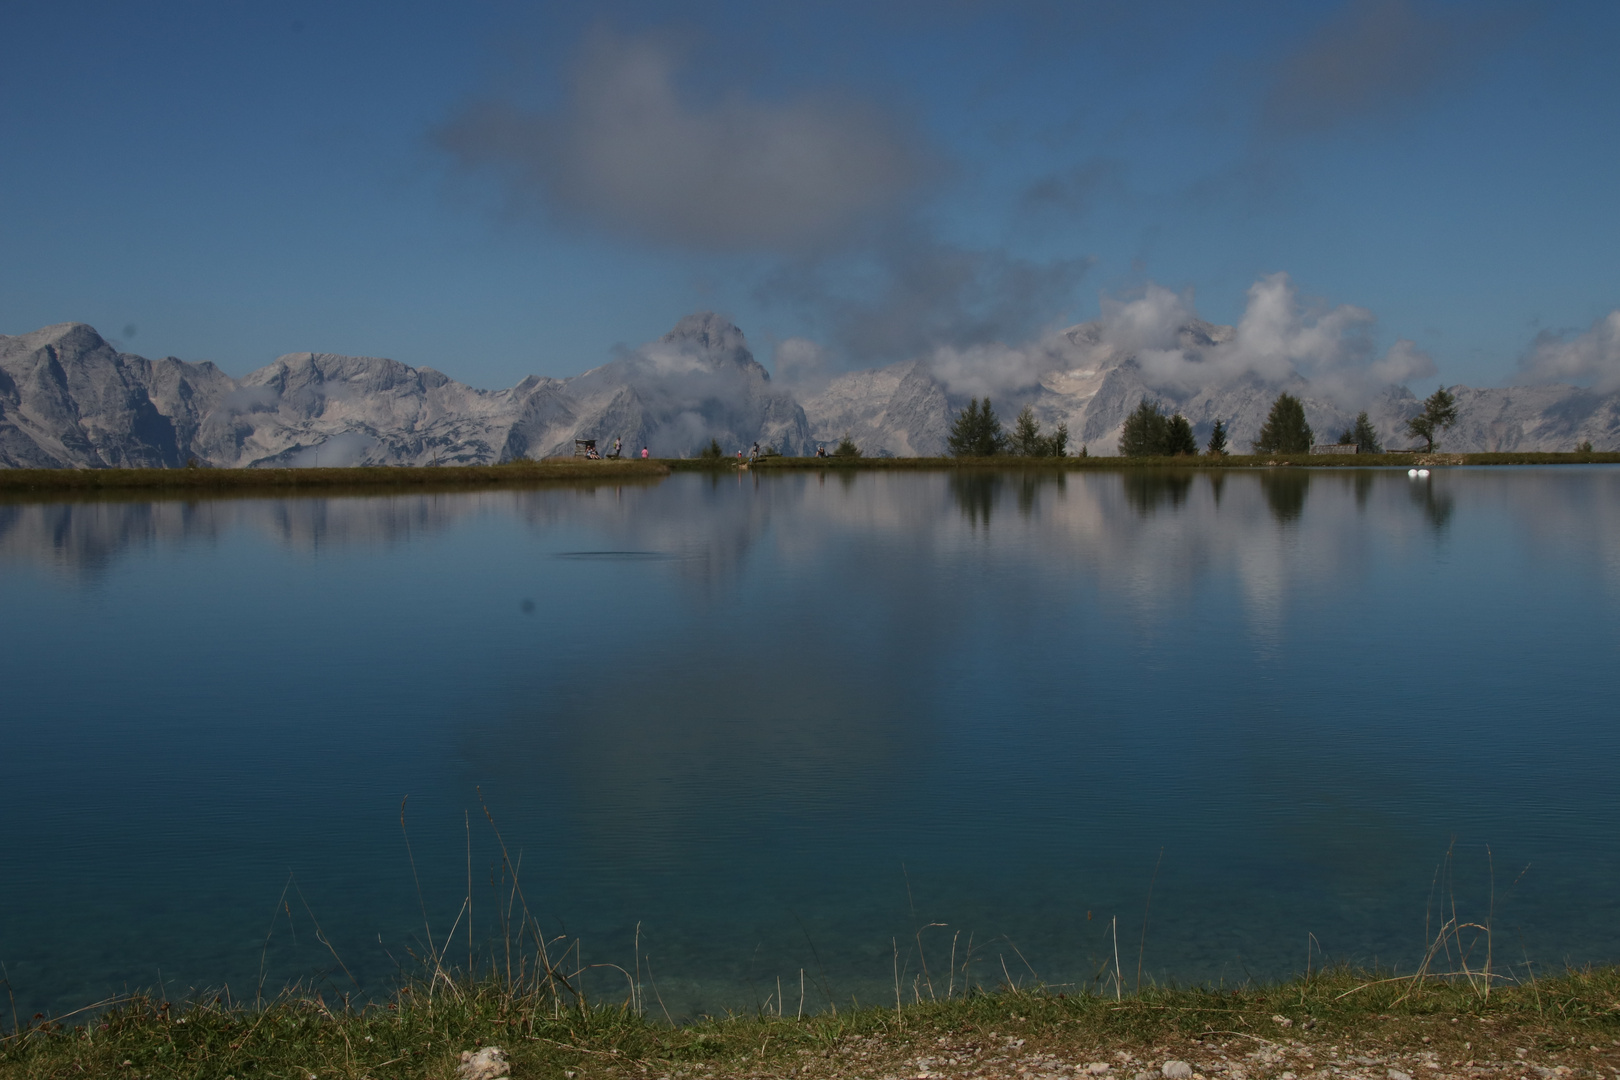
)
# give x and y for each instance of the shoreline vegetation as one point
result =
(1338, 1024)
(1184, 461)
(381, 479)
(359, 479)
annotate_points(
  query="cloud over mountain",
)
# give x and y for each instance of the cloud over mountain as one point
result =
(1279, 339)
(1591, 357)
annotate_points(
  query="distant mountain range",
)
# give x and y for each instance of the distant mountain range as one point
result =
(68, 399)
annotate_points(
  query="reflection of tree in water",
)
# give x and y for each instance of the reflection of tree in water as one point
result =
(1217, 484)
(1145, 489)
(1285, 492)
(1364, 483)
(975, 494)
(1437, 505)
(1029, 486)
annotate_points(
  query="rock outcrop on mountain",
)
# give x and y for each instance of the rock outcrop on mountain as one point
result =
(69, 400)
(897, 411)
(696, 383)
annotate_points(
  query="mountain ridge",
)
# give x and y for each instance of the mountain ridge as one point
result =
(69, 399)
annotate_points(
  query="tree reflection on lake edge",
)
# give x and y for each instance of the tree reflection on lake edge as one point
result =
(1147, 489)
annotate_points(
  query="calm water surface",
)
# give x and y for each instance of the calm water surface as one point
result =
(782, 722)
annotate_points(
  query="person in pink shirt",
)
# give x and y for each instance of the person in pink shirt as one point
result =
(644, 454)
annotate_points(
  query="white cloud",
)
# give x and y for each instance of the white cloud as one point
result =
(1277, 339)
(1590, 358)
(801, 362)
(1151, 322)
(630, 151)
(996, 370)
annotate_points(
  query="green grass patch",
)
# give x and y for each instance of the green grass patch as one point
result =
(325, 481)
(185, 483)
(1571, 1020)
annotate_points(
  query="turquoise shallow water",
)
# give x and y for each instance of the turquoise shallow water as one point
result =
(782, 722)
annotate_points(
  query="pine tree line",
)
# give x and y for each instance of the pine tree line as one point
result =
(1150, 432)
(976, 432)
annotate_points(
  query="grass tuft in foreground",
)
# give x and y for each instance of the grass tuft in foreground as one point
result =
(1356, 1024)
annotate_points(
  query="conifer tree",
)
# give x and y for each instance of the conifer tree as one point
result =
(1057, 443)
(1025, 440)
(1217, 440)
(1365, 436)
(976, 432)
(1145, 431)
(1285, 430)
(1178, 437)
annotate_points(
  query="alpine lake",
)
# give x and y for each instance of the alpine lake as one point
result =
(794, 740)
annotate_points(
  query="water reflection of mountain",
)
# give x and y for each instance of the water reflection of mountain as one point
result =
(1156, 529)
(85, 537)
(740, 699)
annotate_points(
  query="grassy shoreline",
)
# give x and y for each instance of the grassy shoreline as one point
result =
(1340, 1024)
(358, 478)
(1233, 461)
(27, 483)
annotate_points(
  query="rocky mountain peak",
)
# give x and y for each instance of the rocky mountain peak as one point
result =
(714, 337)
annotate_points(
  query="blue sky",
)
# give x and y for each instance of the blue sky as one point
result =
(497, 189)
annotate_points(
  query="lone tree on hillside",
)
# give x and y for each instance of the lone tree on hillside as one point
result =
(1026, 439)
(1217, 440)
(1439, 413)
(1178, 437)
(1285, 430)
(976, 432)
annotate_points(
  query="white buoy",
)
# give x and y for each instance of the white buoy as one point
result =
(1423, 472)
(1412, 473)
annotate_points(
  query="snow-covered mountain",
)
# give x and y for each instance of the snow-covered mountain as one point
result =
(69, 399)
(1091, 385)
